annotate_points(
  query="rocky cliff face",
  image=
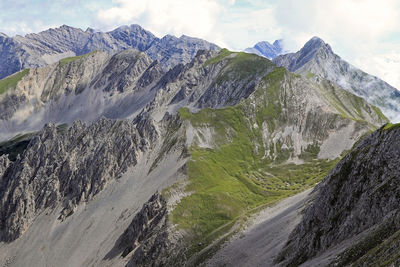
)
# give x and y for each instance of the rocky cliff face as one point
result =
(48, 47)
(357, 202)
(317, 58)
(67, 168)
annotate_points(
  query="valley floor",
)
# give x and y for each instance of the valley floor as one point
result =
(264, 236)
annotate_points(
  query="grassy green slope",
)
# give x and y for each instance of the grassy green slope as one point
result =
(11, 81)
(67, 60)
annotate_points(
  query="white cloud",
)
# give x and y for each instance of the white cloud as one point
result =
(342, 20)
(244, 28)
(196, 18)
(384, 65)
(22, 28)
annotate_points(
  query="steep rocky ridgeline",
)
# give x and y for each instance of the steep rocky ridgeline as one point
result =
(355, 216)
(47, 47)
(145, 241)
(317, 58)
(210, 80)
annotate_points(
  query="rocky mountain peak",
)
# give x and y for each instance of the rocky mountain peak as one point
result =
(265, 49)
(314, 45)
(278, 43)
(317, 58)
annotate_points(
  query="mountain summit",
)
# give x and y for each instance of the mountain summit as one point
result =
(317, 58)
(265, 49)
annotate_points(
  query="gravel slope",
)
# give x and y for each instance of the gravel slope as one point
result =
(261, 240)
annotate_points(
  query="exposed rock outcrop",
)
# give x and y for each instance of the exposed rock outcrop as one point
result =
(85, 88)
(145, 241)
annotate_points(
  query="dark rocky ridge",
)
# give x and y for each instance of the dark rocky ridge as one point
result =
(146, 236)
(358, 200)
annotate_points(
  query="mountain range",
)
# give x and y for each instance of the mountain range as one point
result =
(139, 151)
(47, 47)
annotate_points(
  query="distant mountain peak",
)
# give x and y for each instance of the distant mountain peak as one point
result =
(315, 44)
(317, 39)
(267, 49)
(278, 43)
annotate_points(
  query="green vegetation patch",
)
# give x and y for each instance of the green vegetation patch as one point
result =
(391, 126)
(271, 109)
(221, 56)
(244, 66)
(12, 81)
(67, 60)
(347, 104)
(380, 114)
(310, 75)
(311, 152)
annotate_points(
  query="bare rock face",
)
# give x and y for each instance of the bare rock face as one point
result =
(67, 169)
(145, 241)
(358, 200)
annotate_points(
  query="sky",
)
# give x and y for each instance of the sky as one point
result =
(366, 33)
